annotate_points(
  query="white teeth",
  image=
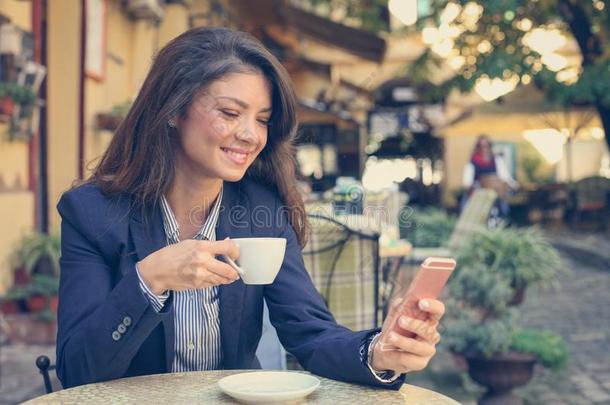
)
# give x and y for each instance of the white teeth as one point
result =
(237, 155)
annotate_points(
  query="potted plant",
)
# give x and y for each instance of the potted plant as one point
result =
(31, 303)
(13, 94)
(522, 255)
(37, 255)
(42, 293)
(39, 324)
(484, 328)
(39, 294)
(110, 121)
(12, 303)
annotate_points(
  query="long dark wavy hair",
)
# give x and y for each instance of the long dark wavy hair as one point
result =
(140, 158)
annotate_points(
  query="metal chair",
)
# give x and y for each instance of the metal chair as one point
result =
(44, 366)
(590, 195)
(344, 266)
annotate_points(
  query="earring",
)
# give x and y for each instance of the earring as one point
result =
(171, 123)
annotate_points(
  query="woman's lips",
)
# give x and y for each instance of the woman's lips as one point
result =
(236, 156)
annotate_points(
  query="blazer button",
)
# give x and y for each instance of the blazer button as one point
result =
(127, 321)
(116, 336)
(121, 328)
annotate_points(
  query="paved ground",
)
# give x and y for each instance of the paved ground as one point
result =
(19, 377)
(580, 312)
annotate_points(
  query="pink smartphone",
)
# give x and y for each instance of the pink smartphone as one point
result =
(428, 283)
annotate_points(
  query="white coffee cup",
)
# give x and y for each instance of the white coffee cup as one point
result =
(260, 258)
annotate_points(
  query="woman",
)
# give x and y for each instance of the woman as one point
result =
(484, 169)
(206, 146)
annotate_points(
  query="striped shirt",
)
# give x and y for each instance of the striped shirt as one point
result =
(196, 312)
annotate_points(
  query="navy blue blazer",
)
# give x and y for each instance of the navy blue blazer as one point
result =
(101, 241)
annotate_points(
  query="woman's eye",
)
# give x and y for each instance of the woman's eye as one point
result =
(229, 114)
(264, 123)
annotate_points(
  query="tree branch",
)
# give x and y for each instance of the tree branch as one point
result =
(580, 26)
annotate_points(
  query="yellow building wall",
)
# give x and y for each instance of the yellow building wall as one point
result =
(63, 64)
(20, 12)
(16, 221)
(176, 21)
(115, 88)
(586, 159)
(16, 205)
(131, 47)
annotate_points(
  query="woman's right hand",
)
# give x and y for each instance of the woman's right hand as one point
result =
(190, 264)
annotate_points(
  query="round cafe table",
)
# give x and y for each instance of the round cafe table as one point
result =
(202, 387)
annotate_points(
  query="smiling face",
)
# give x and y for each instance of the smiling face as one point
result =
(225, 128)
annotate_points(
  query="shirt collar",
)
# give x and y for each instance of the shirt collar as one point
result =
(207, 231)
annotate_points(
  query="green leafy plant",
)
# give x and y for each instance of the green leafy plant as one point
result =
(522, 255)
(41, 285)
(39, 249)
(428, 228)
(480, 320)
(19, 94)
(548, 347)
(535, 170)
(121, 109)
(111, 120)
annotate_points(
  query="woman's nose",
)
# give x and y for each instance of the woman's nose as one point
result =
(246, 132)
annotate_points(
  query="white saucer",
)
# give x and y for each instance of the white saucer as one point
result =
(263, 387)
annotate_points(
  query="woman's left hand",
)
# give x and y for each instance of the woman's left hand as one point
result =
(413, 353)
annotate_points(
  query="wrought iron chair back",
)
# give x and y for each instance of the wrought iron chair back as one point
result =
(344, 266)
(44, 366)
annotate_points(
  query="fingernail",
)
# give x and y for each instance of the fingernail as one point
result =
(424, 304)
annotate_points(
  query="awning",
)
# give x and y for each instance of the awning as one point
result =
(260, 15)
(308, 113)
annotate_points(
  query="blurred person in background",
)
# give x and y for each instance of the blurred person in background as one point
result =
(488, 170)
(206, 147)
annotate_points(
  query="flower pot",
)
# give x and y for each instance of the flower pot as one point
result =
(7, 106)
(108, 122)
(9, 307)
(37, 303)
(500, 374)
(53, 303)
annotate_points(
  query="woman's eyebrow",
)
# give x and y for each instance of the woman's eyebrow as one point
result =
(241, 103)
